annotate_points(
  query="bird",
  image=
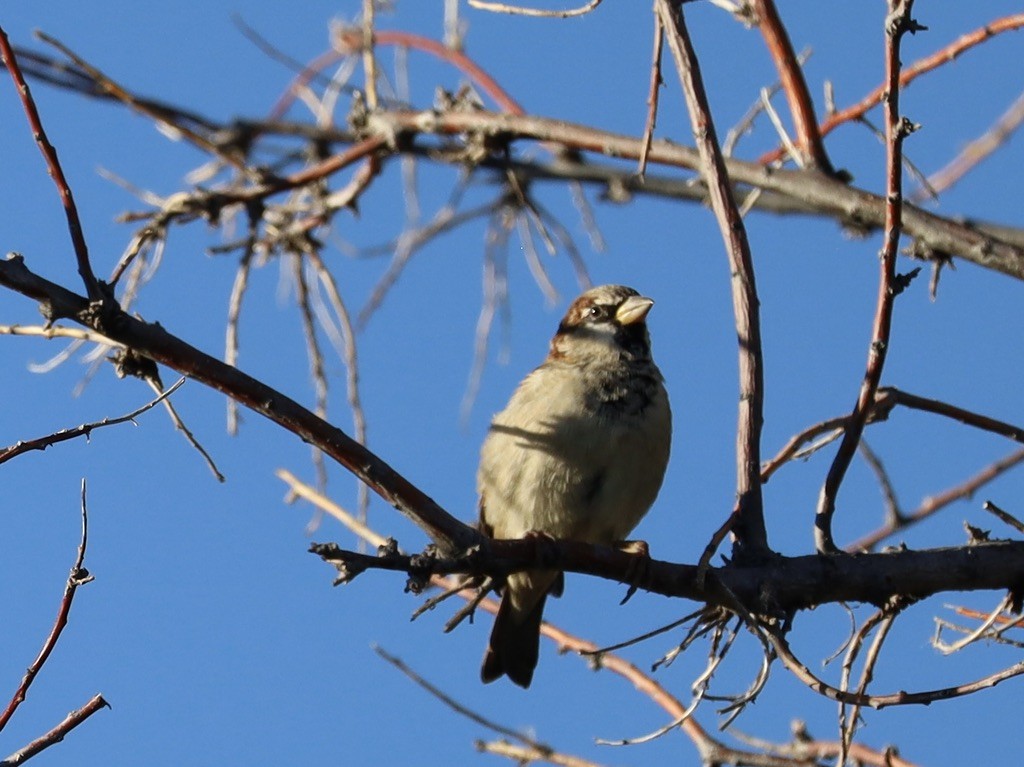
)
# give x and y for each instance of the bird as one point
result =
(579, 452)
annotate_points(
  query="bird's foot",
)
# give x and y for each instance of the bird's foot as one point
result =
(544, 547)
(639, 568)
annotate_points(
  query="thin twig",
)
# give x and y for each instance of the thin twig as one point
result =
(968, 417)
(92, 285)
(944, 55)
(976, 151)
(805, 751)
(811, 148)
(313, 354)
(799, 159)
(369, 60)
(525, 755)
(179, 424)
(453, 704)
(57, 734)
(645, 636)
(749, 529)
(238, 289)
(893, 512)
(85, 430)
(745, 123)
(77, 577)
(495, 295)
(115, 90)
(934, 503)
(977, 633)
(901, 698)
(888, 617)
(652, 96)
(58, 331)
(486, 5)
(1004, 516)
(409, 243)
(343, 336)
(898, 22)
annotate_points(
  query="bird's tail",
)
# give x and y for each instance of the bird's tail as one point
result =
(515, 638)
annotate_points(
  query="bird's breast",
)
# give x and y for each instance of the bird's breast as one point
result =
(585, 463)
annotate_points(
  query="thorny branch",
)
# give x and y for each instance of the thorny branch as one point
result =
(85, 430)
(898, 22)
(77, 577)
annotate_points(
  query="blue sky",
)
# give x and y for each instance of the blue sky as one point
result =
(218, 639)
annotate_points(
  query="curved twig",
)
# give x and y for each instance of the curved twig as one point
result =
(901, 698)
(518, 10)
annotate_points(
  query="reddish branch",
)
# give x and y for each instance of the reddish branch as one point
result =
(58, 733)
(918, 68)
(976, 151)
(748, 527)
(989, 246)
(898, 22)
(935, 503)
(351, 41)
(78, 576)
(808, 137)
(968, 417)
(92, 286)
(652, 96)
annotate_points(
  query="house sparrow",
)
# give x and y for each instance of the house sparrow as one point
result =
(579, 452)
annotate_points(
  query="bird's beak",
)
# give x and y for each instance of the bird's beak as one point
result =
(634, 309)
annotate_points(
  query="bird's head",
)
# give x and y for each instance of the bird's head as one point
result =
(609, 320)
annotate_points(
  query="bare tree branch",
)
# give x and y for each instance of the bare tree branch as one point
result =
(791, 76)
(944, 55)
(57, 734)
(154, 342)
(898, 22)
(92, 285)
(86, 429)
(77, 577)
(751, 537)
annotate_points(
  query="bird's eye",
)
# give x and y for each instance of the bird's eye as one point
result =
(597, 312)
